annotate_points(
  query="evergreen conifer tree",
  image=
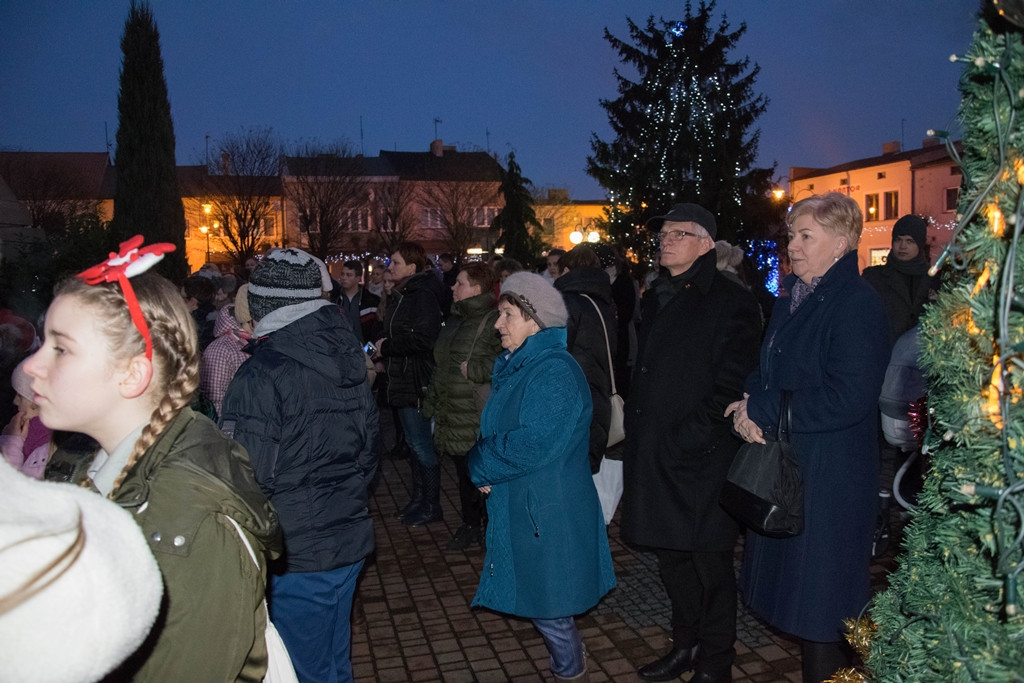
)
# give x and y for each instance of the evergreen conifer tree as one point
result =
(683, 131)
(952, 611)
(147, 200)
(516, 221)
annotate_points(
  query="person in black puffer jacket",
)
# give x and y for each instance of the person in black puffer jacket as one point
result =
(302, 407)
(411, 327)
(582, 277)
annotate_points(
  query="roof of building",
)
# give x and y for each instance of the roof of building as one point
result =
(449, 165)
(334, 165)
(58, 175)
(193, 181)
(927, 155)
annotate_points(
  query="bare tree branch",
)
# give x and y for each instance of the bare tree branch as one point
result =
(243, 179)
(458, 209)
(328, 188)
(394, 217)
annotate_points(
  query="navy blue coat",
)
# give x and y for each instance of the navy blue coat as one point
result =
(547, 547)
(302, 407)
(831, 353)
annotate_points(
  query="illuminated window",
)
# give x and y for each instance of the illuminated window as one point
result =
(871, 208)
(892, 205)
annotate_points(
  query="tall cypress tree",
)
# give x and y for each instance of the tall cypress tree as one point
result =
(147, 200)
(517, 219)
(683, 130)
(953, 610)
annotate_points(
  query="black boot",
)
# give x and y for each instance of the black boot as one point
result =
(416, 496)
(671, 666)
(465, 537)
(429, 509)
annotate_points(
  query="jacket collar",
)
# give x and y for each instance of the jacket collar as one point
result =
(550, 338)
(844, 270)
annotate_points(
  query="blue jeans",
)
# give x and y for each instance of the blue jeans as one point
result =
(564, 644)
(312, 611)
(418, 435)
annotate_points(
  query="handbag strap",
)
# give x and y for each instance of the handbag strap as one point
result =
(245, 541)
(607, 345)
(785, 415)
(479, 329)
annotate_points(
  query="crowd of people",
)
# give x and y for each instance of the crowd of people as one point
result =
(237, 418)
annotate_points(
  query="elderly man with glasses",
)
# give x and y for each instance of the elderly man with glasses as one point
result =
(698, 342)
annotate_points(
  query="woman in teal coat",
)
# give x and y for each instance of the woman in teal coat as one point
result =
(547, 548)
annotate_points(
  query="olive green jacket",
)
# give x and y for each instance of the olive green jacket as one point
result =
(211, 625)
(452, 400)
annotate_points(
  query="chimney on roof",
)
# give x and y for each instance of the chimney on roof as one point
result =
(225, 163)
(437, 148)
(890, 147)
(930, 142)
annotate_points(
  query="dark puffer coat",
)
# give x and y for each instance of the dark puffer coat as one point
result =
(831, 353)
(411, 325)
(467, 334)
(302, 407)
(694, 354)
(586, 343)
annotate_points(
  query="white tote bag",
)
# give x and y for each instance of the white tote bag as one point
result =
(279, 663)
(608, 482)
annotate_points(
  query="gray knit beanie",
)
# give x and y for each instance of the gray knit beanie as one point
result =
(539, 298)
(282, 278)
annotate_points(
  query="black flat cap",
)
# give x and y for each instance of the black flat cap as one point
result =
(686, 213)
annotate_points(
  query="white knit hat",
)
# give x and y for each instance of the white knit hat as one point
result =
(79, 588)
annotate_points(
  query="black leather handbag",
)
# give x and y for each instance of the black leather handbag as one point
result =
(764, 488)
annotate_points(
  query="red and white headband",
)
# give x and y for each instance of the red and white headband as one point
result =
(132, 259)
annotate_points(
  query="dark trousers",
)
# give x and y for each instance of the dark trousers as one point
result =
(702, 589)
(470, 499)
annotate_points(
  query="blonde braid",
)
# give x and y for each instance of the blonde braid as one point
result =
(181, 380)
(175, 346)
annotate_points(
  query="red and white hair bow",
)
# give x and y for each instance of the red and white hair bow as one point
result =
(130, 260)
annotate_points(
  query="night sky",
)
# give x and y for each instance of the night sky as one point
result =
(842, 76)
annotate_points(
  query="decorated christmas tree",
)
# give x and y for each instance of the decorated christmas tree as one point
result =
(952, 611)
(684, 129)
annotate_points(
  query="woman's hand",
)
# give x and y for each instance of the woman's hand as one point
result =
(744, 426)
(464, 368)
(486, 490)
(378, 345)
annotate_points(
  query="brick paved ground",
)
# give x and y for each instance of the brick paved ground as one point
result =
(419, 626)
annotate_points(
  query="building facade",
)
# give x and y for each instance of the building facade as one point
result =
(923, 181)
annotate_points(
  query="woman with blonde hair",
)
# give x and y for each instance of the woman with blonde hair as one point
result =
(822, 363)
(120, 364)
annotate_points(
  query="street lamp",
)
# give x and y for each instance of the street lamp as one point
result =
(778, 192)
(205, 229)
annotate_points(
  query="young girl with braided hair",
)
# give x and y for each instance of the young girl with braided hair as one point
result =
(120, 364)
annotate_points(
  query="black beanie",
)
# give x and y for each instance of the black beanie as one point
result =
(915, 227)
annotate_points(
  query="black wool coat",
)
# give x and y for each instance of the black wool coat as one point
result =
(693, 357)
(411, 326)
(585, 341)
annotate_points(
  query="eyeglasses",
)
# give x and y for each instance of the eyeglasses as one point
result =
(671, 236)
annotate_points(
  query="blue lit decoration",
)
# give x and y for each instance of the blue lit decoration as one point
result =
(674, 31)
(765, 255)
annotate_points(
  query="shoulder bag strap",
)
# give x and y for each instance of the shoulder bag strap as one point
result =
(785, 415)
(479, 329)
(607, 346)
